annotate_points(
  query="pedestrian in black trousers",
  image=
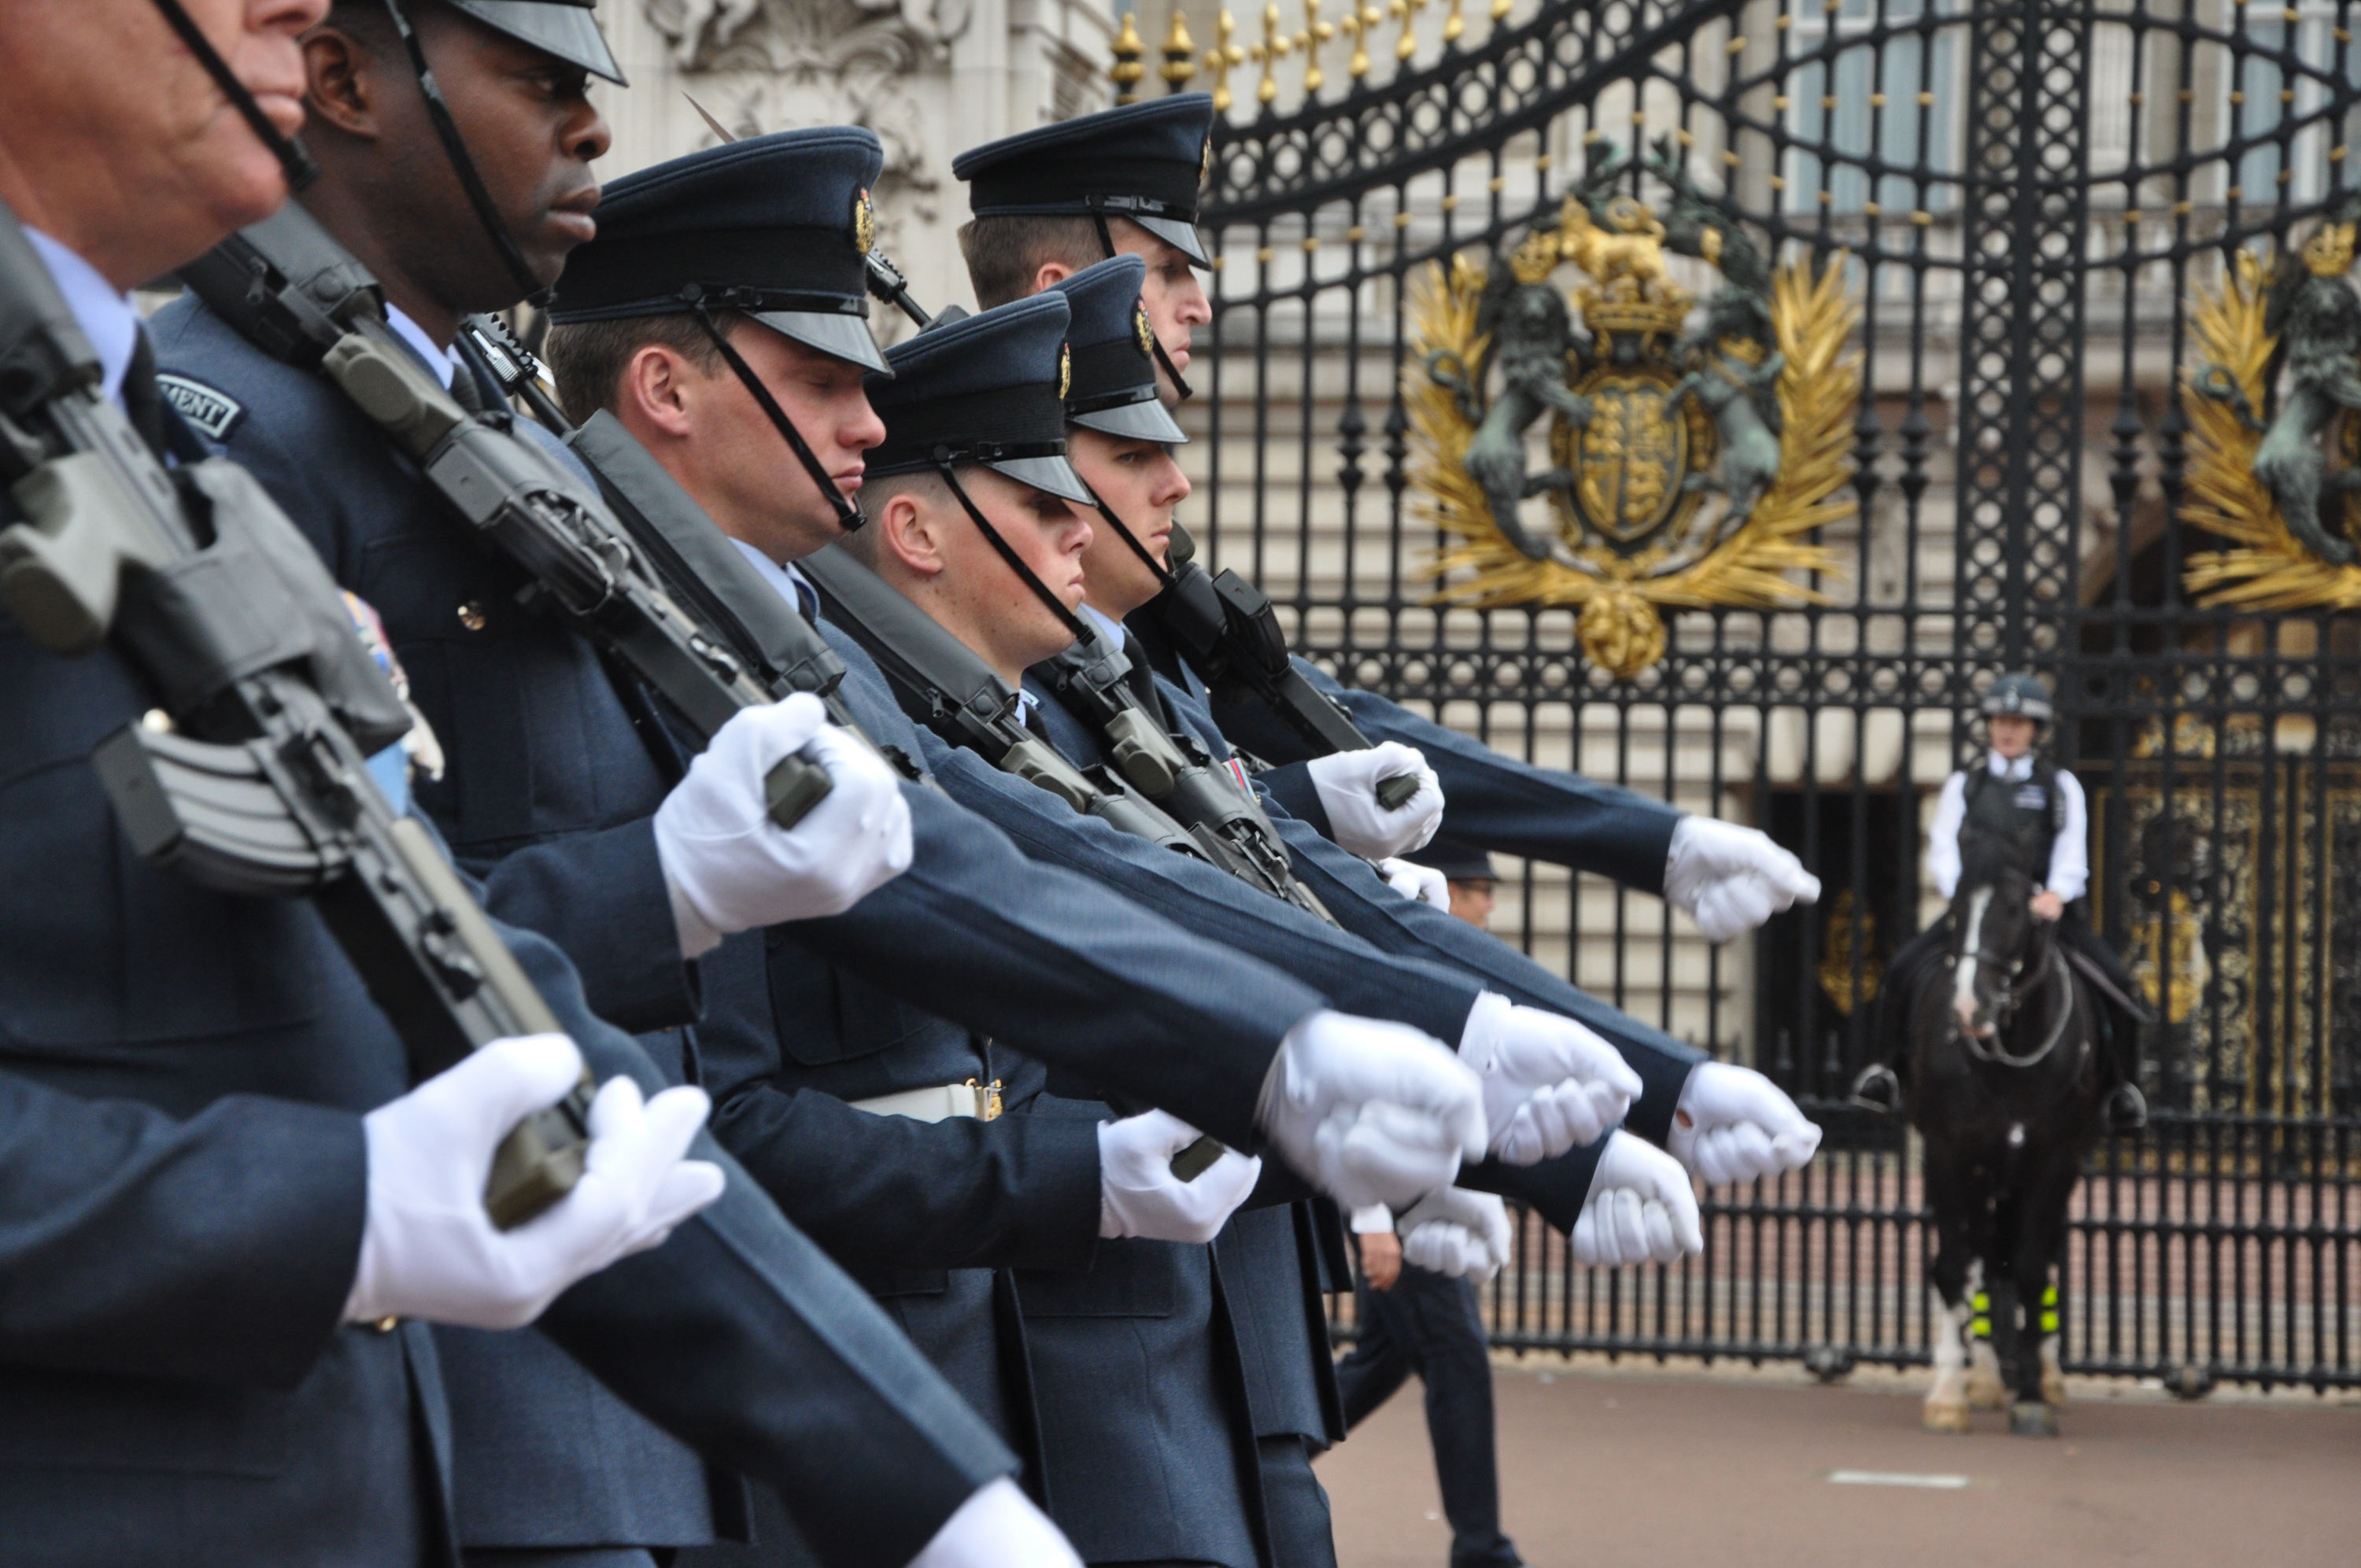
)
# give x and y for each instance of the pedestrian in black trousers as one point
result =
(1412, 1320)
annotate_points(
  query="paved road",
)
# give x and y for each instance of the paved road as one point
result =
(1603, 1468)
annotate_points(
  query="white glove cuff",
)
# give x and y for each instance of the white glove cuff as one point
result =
(1372, 1219)
(1486, 1027)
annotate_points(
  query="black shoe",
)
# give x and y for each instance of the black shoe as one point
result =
(1878, 1090)
(2127, 1109)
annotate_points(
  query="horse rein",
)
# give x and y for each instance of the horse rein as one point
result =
(2009, 1000)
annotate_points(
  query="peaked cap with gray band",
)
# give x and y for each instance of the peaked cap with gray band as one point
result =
(564, 29)
(776, 227)
(1114, 385)
(1143, 162)
(985, 389)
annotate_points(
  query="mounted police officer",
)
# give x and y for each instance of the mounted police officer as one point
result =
(223, 1224)
(2025, 802)
(1049, 202)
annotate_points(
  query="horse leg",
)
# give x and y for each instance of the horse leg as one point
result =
(1985, 1390)
(2053, 1325)
(1947, 1277)
(2040, 1217)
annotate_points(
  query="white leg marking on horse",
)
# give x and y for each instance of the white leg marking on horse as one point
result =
(2053, 1381)
(1985, 1390)
(1963, 986)
(1947, 1402)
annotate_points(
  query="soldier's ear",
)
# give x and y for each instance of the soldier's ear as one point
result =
(337, 82)
(1049, 275)
(650, 394)
(909, 533)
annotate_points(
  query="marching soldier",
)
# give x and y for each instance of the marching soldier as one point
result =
(554, 791)
(225, 1225)
(628, 341)
(1049, 202)
(2026, 802)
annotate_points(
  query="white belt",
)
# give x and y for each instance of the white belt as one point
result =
(939, 1102)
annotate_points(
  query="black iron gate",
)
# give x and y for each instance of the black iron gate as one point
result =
(2030, 202)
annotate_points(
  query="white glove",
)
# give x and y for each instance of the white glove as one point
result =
(1138, 1194)
(1455, 1231)
(731, 868)
(1549, 1084)
(998, 1527)
(1422, 883)
(1731, 879)
(1348, 784)
(1734, 1124)
(1370, 1112)
(1641, 1209)
(430, 1251)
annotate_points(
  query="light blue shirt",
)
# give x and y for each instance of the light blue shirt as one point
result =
(443, 362)
(790, 585)
(106, 316)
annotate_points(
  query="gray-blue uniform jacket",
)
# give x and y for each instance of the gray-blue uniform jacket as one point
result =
(1490, 798)
(182, 1186)
(551, 795)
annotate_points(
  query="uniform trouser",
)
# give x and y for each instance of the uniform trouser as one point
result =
(1295, 1504)
(2119, 1060)
(1428, 1323)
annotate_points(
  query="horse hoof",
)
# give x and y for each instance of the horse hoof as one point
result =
(1948, 1415)
(2028, 1418)
(1986, 1392)
(2053, 1386)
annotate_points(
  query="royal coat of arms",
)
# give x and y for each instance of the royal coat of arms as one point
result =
(1688, 465)
(2270, 487)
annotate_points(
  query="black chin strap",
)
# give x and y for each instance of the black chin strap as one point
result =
(1106, 239)
(849, 515)
(1007, 551)
(529, 287)
(297, 163)
(1123, 532)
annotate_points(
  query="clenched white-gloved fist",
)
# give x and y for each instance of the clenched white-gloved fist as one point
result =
(1347, 784)
(428, 1250)
(1422, 883)
(1734, 1124)
(997, 1528)
(1455, 1231)
(1731, 879)
(1641, 1209)
(1138, 1194)
(1370, 1112)
(731, 868)
(1549, 1084)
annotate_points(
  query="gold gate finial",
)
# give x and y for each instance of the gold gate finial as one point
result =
(1315, 33)
(1225, 57)
(1179, 52)
(1129, 48)
(1358, 20)
(1265, 53)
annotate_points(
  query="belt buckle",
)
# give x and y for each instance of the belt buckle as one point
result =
(987, 1098)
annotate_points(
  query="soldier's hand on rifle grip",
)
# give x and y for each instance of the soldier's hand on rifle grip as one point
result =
(430, 1248)
(747, 842)
(1369, 811)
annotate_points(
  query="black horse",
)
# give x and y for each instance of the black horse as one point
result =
(2004, 1087)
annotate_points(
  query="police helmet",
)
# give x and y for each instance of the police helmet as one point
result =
(2021, 694)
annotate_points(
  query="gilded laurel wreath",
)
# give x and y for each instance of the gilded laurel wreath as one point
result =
(1688, 471)
(2267, 487)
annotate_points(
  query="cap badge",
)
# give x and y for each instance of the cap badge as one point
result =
(1065, 368)
(864, 221)
(1141, 331)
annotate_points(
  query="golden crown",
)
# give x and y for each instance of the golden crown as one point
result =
(2329, 253)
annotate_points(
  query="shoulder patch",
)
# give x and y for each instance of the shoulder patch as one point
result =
(214, 413)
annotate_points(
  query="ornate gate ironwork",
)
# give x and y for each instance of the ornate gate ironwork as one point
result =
(2026, 195)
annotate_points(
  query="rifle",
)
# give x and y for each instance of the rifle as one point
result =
(287, 287)
(1226, 629)
(1173, 770)
(251, 776)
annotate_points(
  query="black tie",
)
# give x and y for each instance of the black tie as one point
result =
(142, 402)
(1033, 722)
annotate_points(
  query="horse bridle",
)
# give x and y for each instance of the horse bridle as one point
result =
(2010, 996)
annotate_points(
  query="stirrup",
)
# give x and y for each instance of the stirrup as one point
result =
(1878, 1090)
(2127, 1109)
